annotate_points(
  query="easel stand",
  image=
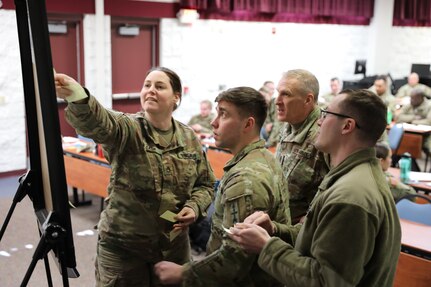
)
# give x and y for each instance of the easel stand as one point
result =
(24, 185)
(52, 236)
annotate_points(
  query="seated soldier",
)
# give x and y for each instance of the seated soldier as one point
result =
(325, 99)
(201, 123)
(412, 83)
(381, 89)
(398, 189)
(418, 111)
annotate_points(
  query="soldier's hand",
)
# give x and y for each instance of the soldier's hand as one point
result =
(68, 89)
(196, 127)
(169, 272)
(185, 217)
(262, 219)
(251, 237)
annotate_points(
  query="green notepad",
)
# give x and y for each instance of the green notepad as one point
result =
(169, 216)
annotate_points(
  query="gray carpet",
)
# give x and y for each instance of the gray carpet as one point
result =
(21, 238)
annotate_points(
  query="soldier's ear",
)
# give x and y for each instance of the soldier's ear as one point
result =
(250, 123)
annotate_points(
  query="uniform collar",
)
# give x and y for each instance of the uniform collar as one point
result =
(246, 150)
(353, 160)
(300, 135)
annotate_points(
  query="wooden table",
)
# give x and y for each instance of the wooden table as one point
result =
(416, 238)
(413, 139)
(87, 172)
(414, 263)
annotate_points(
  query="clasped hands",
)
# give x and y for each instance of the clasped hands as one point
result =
(249, 235)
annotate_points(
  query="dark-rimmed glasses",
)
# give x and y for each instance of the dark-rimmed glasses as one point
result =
(324, 113)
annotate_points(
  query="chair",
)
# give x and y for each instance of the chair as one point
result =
(395, 136)
(414, 211)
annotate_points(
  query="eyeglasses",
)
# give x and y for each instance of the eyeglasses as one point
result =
(324, 113)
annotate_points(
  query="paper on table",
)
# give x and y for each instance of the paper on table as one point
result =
(169, 216)
(420, 128)
(420, 176)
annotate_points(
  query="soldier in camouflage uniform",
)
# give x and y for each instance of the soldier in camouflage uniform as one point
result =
(201, 123)
(418, 112)
(398, 189)
(351, 235)
(253, 181)
(303, 165)
(157, 165)
(271, 127)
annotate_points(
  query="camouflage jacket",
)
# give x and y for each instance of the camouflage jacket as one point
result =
(398, 189)
(420, 115)
(351, 235)
(204, 122)
(274, 135)
(406, 90)
(146, 180)
(303, 165)
(253, 181)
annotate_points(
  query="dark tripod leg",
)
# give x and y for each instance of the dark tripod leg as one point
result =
(24, 184)
(48, 270)
(41, 251)
(51, 237)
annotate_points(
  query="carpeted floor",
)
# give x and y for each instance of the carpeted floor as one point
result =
(21, 238)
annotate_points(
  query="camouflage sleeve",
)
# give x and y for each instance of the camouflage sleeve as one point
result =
(405, 116)
(274, 136)
(426, 120)
(94, 121)
(242, 195)
(192, 121)
(203, 190)
(399, 189)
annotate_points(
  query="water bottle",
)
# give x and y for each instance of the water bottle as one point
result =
(389, 116)
(405, 167)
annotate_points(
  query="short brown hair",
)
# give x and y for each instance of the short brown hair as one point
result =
(248, 101)
(368, 110)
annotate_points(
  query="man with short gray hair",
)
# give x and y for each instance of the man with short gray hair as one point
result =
(303, 165)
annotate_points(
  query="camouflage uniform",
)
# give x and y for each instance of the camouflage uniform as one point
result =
(303, 165)
(274, 134)
(417, 116)
(253, 181)
(406, 90)
(398, 188)
(387, 98)
(351, 236)
(204, 122)
(420, 115)
(146, 181)
(326, 99)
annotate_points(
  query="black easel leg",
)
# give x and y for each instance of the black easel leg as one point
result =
(40, 252)
(48, 271)
(24, 183)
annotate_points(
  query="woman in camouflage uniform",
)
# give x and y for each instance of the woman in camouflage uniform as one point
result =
(398, 189)
(157, 165)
